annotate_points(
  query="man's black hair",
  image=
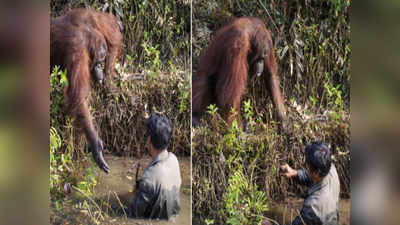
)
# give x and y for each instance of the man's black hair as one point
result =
(318, 158)
(160, 130)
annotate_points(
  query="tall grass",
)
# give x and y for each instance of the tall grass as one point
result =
(312, 47)
(151, 75)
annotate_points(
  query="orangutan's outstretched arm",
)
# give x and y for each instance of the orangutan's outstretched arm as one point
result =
(275, 88)
(77, 93)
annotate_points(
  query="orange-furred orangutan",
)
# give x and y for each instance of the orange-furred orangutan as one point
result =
(239, 49)
(81, 41)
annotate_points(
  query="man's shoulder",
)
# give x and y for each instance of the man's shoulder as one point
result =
(170, 161)
(333, 172)
(172, 157)
(332, 180)
(165, 171)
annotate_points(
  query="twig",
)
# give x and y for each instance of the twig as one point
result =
(343, 153)
(108, 201)
(298, 212)
(134, 76)
(269, 16)
(284, 215)
(271, 220)
(88, 197)
(120, 204)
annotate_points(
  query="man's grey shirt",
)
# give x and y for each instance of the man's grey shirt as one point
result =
(321, 206)
(158, 193)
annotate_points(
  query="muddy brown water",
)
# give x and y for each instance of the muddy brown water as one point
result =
(115, 191)
(285, 212)
(121, 181)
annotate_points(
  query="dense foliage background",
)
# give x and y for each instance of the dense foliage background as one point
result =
(152, 75)
(163, 25)
(235, 174)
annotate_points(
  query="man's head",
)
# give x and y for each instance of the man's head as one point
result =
(159, 131)
(318, 159)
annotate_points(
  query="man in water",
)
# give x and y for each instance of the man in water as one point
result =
(321, 205)
(158, 194)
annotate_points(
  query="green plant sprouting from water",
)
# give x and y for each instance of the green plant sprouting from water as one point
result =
(244, 203)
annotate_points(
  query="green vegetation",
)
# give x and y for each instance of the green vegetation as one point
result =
(255, 158)
(151, 75)
(312, 47)
(64, 169)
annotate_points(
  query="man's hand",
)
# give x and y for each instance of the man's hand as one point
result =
(287, 171)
